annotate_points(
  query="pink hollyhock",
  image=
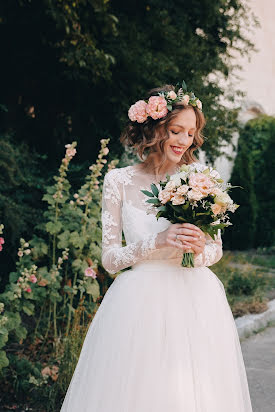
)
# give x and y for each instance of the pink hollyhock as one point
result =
(70, 151)
(2, 241)
(157, 107)
(137, 111)
(33, 278)
(28, 290)
(90, 272)
(1, 247)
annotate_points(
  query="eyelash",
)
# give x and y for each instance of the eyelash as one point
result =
(178, 133)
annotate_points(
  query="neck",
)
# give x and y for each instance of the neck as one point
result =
(154, 167)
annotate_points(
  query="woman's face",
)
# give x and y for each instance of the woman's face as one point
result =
(181, 132)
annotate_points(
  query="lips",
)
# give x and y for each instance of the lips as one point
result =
(177, 150)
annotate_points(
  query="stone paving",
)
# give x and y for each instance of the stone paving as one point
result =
(259, 358)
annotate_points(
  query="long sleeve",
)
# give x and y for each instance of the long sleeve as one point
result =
(116, 257)
(212, 251)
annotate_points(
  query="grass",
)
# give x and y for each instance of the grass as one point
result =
(246, 286)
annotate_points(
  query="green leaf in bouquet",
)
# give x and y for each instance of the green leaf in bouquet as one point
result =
(163, 208)
(206, 172)
(147, 193)
(155, 189)
(181, 219)
(169, 107)
(155, 201)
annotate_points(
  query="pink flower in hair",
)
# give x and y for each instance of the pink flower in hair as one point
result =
(137, 111)
(157, 107)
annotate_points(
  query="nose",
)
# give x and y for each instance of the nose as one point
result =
(184, 139)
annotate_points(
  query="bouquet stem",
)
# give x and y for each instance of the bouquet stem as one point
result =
(188, 260)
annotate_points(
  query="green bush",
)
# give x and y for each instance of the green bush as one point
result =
(254, 170)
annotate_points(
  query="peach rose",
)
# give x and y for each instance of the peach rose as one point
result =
(216, 209)
(182, 190)
(170, 185)
(185, 99)
(164, 196)
(178, 199)
(157, 107)
(195, 195)
(201, 183)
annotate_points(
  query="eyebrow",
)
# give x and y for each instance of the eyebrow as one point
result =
(192, 128)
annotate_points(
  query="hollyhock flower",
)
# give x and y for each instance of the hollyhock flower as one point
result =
(20, 253)
(43, 282)
(2, 241)
(137, 111)
(33, 278)
(71, 151)
(1, 248)
(157, 107)
(172, 95)
(90, 272)
(105, 151)
(28, 290)
(164, 196)
(201, 183)
(27, 251)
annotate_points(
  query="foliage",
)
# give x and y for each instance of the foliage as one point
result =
(52, 276)
(20, 193)
(83, 63)
(254, 170)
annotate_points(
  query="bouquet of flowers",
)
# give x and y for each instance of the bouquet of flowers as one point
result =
(193, 196)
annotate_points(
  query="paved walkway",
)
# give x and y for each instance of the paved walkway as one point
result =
(259, 358)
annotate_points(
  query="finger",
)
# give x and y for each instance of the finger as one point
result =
(188, 238)
(173, 243)
(187, 232)
(191, 226)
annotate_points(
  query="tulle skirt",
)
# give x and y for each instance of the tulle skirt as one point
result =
(163, 340)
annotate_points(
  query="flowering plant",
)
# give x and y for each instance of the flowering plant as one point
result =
(192, 196)
(158, 106)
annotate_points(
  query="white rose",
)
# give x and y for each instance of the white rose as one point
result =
(199, 104)
(186, 99)
(223, 199)
(177, 176)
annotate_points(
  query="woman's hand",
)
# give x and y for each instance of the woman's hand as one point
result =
(184, 236)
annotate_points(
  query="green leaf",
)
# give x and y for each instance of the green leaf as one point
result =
(93, 289)
(147, 193)
(183, 85)
(155, 189)
(4, 362)
(28, 308)
(53, 227)
(155, 201)
(169, 107)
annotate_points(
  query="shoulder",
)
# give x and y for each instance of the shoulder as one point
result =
(119, 175)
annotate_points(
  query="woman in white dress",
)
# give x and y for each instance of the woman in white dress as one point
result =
(164, 337)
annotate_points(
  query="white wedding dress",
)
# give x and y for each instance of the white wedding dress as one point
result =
(164, 337)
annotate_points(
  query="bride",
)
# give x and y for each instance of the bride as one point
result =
(164, 337)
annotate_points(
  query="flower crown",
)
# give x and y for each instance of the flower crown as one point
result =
(158, 106)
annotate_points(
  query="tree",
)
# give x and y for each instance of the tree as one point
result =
(71, 69)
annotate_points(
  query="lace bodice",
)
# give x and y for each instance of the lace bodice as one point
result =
(124, 209)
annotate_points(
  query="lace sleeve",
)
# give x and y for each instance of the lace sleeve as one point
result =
(212, 252)
(114, 256)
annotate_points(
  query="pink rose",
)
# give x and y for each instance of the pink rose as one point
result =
(185, 99)
(90, 272)
(33, 278)
(28, 290)
(172, 95)
(137, 111)
(199, 104)
(182, 190)
(157, 107)
(201, 183)
(2, 241)
(195, 195)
